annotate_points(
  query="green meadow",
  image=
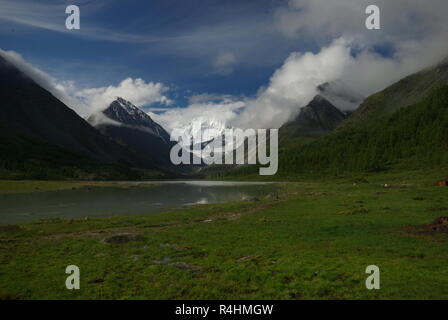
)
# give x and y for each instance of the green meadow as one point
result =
(310, 240)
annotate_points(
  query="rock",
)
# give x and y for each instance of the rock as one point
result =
(442, 183)
(123, 238)
(441, 221)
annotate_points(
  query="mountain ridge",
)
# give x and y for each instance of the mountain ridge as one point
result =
(316, 119)
(128, 125)
(31, 116)
(403, 93)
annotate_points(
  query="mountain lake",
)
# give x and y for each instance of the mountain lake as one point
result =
(101, 201)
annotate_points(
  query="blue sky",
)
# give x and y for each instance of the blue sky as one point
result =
(174, 42)
(264, 57)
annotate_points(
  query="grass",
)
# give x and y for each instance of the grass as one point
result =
(314, 242)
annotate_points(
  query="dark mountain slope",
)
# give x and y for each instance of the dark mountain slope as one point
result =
(405, 92)
(412, 137)
(34, 125)
(316, 119)
(128, 125)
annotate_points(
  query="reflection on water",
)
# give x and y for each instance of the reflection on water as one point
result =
(109, 201)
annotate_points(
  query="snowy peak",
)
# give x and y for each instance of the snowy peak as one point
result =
(209, 129)
(204, 129)
(126, 113)
(123, 113)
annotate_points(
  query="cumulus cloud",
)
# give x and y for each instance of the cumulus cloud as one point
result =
(294, 85)
(137, 91)
(413, 35)
(372, 72)
(413, 31)
(290, 88)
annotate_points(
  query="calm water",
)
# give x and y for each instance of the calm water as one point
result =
(102, 201)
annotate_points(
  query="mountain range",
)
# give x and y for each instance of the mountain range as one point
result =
(41, 136)
(406, 123)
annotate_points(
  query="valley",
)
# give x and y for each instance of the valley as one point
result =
(313, 241)
(354, 188)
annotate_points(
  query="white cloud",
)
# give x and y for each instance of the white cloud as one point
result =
(414, 30)
(293, 85)
(372, 72)
(137, 91)
(176, 118)
(401, 20)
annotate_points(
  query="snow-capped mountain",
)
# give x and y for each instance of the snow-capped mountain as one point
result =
(127, 124)
(201, 128)
(124, 113)
(204, 132)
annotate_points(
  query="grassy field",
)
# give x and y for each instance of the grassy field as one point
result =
(313, 241)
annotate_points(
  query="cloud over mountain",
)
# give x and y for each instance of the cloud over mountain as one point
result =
(60, 89)
(138, 91)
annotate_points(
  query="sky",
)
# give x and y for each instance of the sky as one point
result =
(251, 63)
